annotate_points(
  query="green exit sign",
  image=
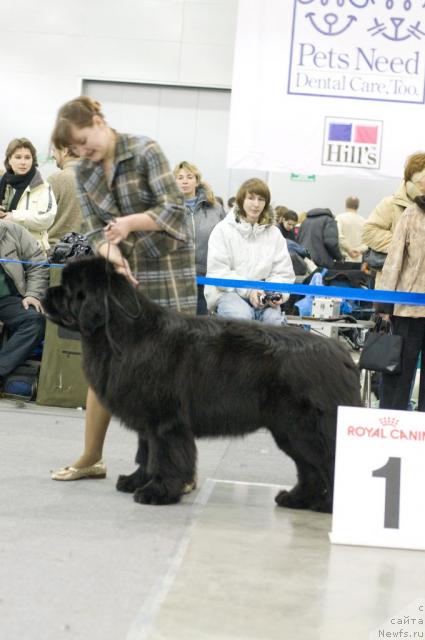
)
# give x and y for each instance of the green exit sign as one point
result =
(303, 177)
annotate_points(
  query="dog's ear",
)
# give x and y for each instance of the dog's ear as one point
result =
(91, 315)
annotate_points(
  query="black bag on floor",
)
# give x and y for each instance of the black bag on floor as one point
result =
(382, 350)
(22, 383)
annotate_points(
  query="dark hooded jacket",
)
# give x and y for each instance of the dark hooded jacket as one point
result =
(319, 235)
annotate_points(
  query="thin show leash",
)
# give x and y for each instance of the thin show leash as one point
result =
(106, 297)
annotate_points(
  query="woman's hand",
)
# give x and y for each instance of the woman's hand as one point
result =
(30, 301)
(111, 253)
(254, 298)
(124, 268)
(4, 215)
(117, 231)
(275, 303)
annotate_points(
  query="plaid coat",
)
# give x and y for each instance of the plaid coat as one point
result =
(141, 181)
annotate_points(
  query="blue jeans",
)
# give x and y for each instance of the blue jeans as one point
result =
(231, 305)
(25, 328)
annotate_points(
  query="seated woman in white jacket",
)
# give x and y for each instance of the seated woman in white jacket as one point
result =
(247, 245)
(25, 198)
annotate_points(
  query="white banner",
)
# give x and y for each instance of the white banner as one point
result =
(328, 86)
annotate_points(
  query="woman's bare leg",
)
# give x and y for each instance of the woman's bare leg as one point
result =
(97, 422)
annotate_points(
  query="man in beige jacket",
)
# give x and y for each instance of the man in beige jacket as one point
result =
(69, 216)
(350, 228)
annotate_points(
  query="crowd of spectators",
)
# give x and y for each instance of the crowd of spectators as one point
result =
(246, 240)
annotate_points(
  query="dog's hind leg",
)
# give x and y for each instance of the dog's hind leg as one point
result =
(139, 477)
(313, 454)
(172, 463)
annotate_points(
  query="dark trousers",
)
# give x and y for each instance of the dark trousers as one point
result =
(396, 388)
(25, 330)
(201, 307)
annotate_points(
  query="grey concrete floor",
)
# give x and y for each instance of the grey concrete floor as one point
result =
(81, 561)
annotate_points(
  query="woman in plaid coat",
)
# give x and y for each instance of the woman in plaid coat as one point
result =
(133, 215)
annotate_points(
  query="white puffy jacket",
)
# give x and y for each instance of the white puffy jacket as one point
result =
(36, 209)
(242, 251)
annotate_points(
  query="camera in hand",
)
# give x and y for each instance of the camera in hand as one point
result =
(71, 245)
(271, 296)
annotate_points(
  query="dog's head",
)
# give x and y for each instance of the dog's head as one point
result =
(80, 302)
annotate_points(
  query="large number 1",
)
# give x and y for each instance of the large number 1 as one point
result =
(391, 472)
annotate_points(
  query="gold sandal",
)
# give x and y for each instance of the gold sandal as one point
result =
(95, 471)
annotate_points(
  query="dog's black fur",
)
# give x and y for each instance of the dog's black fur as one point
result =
(173, 377)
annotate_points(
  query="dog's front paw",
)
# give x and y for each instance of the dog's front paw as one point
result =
(155, 493)
(295, 500)
(287, 499)
(129, 484)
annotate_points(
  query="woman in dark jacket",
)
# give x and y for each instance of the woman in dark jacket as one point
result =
(319, 235)
(286, 220)
(203, 212)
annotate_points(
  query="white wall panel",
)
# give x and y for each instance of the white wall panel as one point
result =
(140, 19)
(47, 48)
(159, 20)
(132, 60)
(177, 122)
(141, 109)
(196, 67)
(209, 22)
(111, 58)
(29, 106)
(210, 147)
(189, 123)
(329, 191)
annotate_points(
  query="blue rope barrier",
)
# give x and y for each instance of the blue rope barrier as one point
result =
(36, 264)
(348, 293)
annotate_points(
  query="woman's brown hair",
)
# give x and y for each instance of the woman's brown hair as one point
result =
(258, 188)
(414, 163)
(20, 143)
(283, 213)
(77, 113)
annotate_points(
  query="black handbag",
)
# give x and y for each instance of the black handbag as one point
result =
(382, 350)
(375, 259)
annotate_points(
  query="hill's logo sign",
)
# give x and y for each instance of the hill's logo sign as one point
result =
(362, 49)
(350, 142)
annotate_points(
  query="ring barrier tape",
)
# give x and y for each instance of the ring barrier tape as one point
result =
(36, 264)
(373, 295)
(349, 293)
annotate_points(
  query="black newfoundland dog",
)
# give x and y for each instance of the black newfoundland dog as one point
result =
(173, 377)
